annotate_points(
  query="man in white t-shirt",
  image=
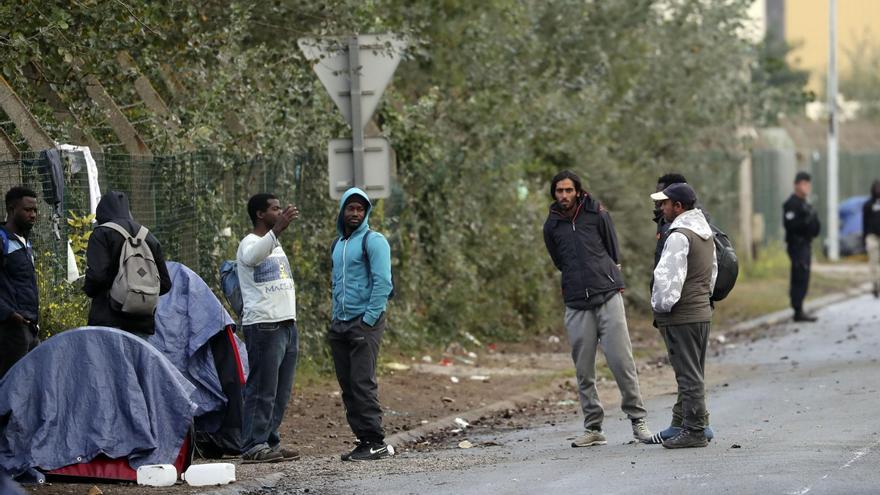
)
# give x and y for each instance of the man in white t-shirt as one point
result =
(269, 324)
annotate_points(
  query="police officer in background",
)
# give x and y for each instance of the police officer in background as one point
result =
(801, 226)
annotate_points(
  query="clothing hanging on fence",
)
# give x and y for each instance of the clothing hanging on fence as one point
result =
(50, 166)
(91, 172)
(72, 269)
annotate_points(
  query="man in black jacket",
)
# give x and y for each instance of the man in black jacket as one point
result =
(871, 233)
(19, 297)
(801, 226)
(582, 243)
(102, 257)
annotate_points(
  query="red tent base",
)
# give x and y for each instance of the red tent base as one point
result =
(107, 469)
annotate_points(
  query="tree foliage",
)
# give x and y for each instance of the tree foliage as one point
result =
(493, 98)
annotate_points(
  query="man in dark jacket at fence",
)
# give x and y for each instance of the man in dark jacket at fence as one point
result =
(871, 233)
(683, 282)
(582, 243)
(801, 226)
(102, 258)
(19, 297)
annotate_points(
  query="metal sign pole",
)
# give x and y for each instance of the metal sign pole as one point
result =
(833, 219)
(357, 130)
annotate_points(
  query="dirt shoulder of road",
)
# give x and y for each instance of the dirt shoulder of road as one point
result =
(415, 390)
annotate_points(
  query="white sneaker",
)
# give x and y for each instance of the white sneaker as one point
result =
(641, 431)
(589, 439)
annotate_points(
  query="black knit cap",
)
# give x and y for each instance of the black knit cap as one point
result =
(802, 176)
(357, 197)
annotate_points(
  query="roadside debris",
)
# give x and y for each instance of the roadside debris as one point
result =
(480, 378)
(454, 379)
(397, 366)
(465, 444)
(473, 339)
(462, 423)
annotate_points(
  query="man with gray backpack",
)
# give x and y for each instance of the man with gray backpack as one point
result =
(126, 272)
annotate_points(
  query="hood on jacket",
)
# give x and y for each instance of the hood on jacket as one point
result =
(340, 222)
(113, 206)
(695, 221)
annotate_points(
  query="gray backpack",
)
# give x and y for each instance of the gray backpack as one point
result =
(135, 289)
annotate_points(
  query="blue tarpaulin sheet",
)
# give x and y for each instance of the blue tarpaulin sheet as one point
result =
(186, 319)
(92, 391)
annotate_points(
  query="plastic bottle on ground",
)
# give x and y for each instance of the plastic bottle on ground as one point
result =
(218, 473)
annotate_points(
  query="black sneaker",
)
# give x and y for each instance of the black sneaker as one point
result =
(263, 455)
(804, 317)
(686, 439)
(369, 451)
(287, 454)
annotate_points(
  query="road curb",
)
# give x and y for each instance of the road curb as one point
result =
(420, 433)
(785, 315)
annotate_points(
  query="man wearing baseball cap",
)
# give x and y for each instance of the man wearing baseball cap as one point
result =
(683, 282)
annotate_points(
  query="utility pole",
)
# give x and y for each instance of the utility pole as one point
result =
(833, 216)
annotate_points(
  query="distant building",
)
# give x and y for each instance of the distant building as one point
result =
(804, 25)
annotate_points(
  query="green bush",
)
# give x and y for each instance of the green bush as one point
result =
(62, 305)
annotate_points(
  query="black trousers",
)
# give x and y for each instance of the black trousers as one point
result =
(686, 345)
(801, 258)
(355, 349)
(15, 341)
(219, 432)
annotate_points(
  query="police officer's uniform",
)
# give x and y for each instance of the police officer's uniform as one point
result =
(801, 226)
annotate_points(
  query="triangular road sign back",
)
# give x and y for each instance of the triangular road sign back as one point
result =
(379, 56)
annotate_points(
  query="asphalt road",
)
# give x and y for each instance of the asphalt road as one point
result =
(803, 407)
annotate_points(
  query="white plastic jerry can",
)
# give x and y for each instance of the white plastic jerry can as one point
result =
(218, 473)
(157, 475)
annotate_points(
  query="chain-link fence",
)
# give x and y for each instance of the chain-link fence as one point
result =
(194, 203)
(168, 194)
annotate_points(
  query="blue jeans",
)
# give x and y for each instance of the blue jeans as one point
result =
(272, 351)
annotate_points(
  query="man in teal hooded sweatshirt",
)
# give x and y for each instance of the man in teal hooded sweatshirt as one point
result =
(361, 287)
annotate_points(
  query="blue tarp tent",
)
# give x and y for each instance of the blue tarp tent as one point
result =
(92, 391)
(195, 332)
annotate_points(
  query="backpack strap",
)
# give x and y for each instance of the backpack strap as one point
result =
(367, 255)
(118, 228)
(141, 235)
(4, 240)
(333, 248)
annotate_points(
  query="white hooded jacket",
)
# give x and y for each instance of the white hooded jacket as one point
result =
(672, 270)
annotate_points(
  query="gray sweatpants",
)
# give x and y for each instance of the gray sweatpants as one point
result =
(605, 326)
